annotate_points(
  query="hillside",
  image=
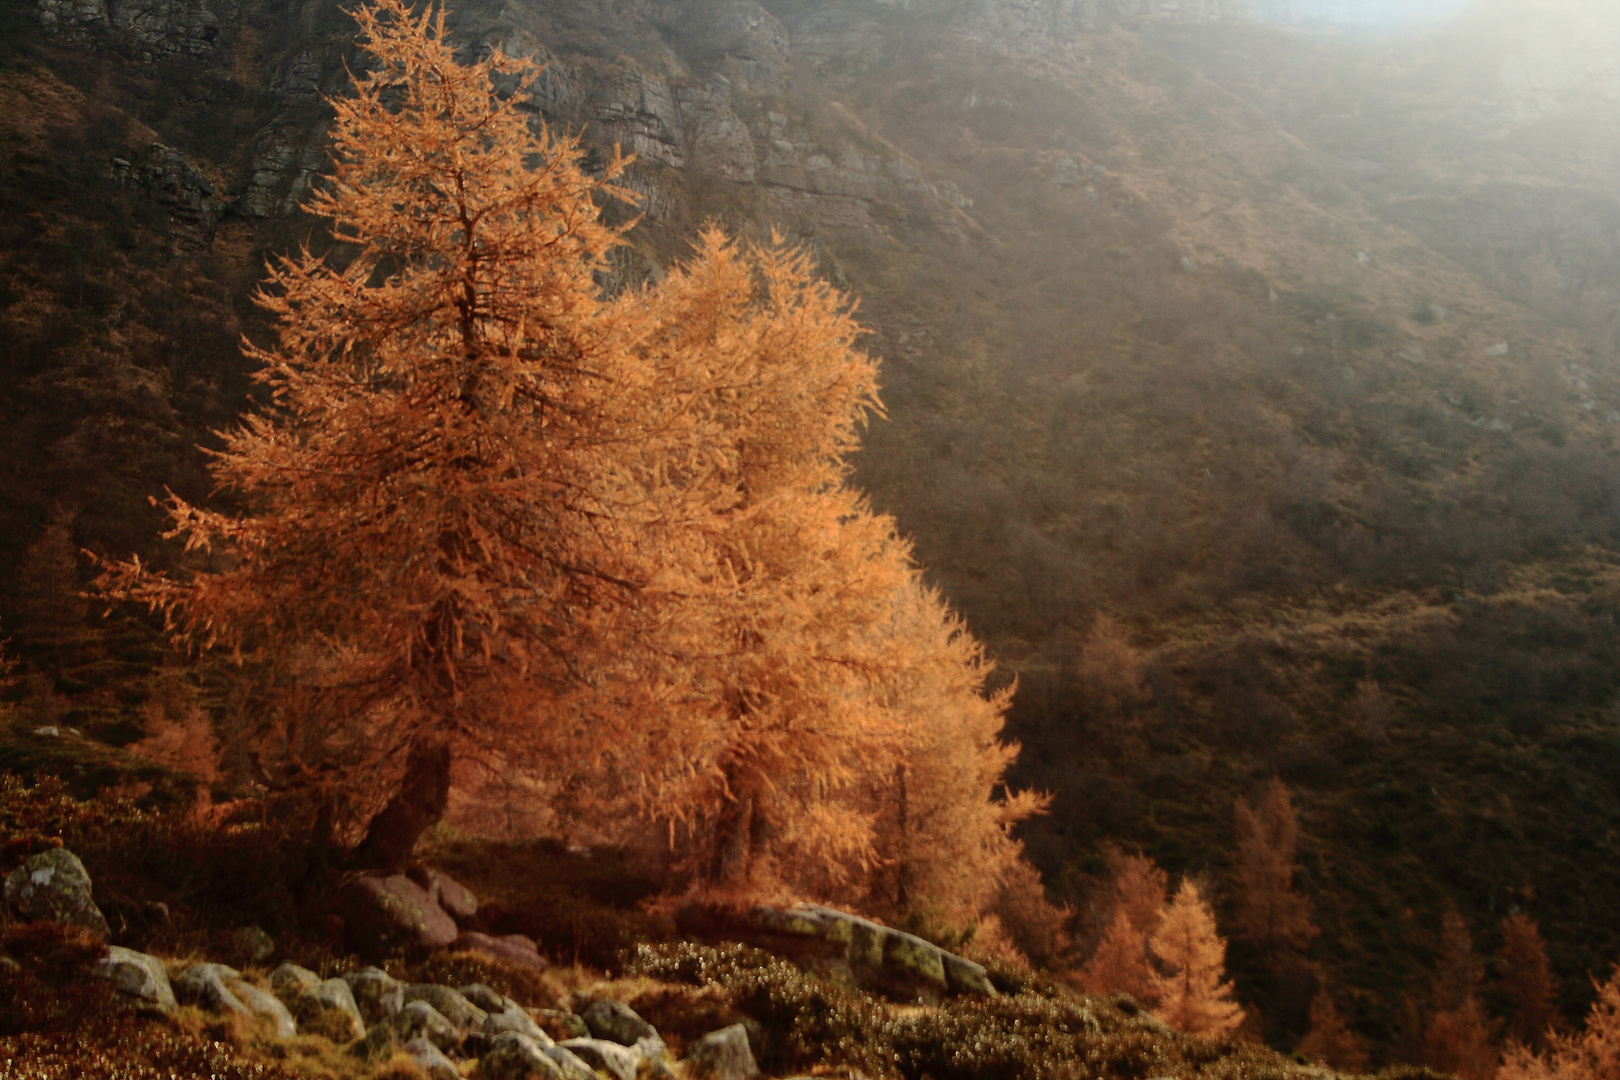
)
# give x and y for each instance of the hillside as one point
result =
(1290, 354)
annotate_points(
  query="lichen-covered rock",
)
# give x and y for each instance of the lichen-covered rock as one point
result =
(431, 1060)
(253, 943)
(54, 885)
(619, 1062)
(722, 1055)
(966, 977)
(419, 1020)
(572, 1067)
(517, 1057)
(207, 985)
(914, 960)
(514, 1018)
(455, 898)
(616, 1022)
(138, 975)
(266, 1006)
(376, 993)
(563, 1025)
(383, 914)
(328, 1008)
(513, 947)
(483, 997)
(449, 1003)
(290, 980)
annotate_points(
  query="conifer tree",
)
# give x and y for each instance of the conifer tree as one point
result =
(1193, 994)
(1132, 904)
(1590, 1054)
(1459, 1038)
(1526, 980)
(1330, 1040)
(1271, 914)
(1120, 964)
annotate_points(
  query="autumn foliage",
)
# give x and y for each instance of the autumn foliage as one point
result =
(498, 519)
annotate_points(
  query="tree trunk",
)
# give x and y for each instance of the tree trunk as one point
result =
(735, 844)
(424, 793)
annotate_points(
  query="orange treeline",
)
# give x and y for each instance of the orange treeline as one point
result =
(495, 518)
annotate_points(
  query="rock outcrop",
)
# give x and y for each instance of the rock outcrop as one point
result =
(384, 914)
(890, 959)
(138, 975)
(54, 885)
(722, 1055)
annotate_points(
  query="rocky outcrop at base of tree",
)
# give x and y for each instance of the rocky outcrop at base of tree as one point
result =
(821, 937)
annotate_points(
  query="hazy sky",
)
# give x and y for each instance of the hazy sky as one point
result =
(1360, 12)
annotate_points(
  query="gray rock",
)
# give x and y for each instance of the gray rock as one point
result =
(418, 1019)
(483, 997)
(517, 1057)
(616, 1022)
(330, 1005)
(573, 1068)
(290, 980)
(382, 914)
(966, 977)
(431, 1060)
(253, 943)
(571, 1024)
(455, 898)
(54, 885)
(514, 1018)
(722, 1055)
(266, 1006)
(619, 1062)
(450, 1005)
(376, 993)
(138, 975)
(511, 947)
(913, 959)
(208, 985)
(8, 966)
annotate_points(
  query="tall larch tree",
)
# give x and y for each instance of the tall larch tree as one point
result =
(1590, 1054)
(1526, 980)
(1272, 915)
(1131, 905)
(1193, 993)
(1459, 1038)
(1330, 1040)
(479, 509)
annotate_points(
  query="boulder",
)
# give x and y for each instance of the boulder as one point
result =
(208, 985)
(911, 959)
(253, 944)
(573, 1068)
(515, 1018)
(517, 1057)
(290, 980)
(265, 1005)
(328, 1008)
(431, 1060)
(455, 898)
(450, 1004)
(138, 975)
(722, 1055)
(616, 1022)
(562, 1025)
(512, 947)
(54, 885)
(419, 1020)
(376, 993)
(483, 997)
(384, 914)
(965, 977)
(619, 1062)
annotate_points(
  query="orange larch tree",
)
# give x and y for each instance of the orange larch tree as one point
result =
(1590, 1054)
(1272, 916)
(1132, 905)
(1193, 994)
(1330, 1040)
(1526, 980)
